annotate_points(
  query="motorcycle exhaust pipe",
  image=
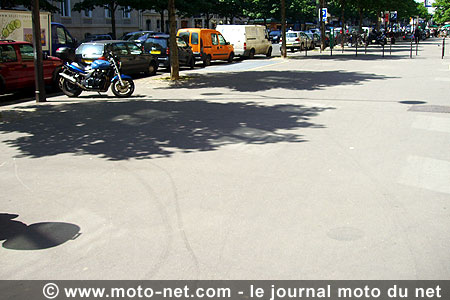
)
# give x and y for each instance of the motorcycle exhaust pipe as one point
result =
(72, 80)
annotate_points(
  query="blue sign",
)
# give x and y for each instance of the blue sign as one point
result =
(324, 14)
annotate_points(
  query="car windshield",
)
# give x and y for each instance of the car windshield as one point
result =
(134, 36)
(90, 50)
(152, 44)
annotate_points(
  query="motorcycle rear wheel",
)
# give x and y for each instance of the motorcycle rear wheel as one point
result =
(123, 91)
(68, 88)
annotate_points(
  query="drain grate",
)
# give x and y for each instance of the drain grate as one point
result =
(431, 108)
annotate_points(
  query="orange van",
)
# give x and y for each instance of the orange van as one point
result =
(207, 44)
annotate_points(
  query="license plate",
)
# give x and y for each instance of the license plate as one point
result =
(88, 61)
(155, 52)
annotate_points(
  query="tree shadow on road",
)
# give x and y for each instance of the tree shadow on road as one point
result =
(256, 81)
(125, 129)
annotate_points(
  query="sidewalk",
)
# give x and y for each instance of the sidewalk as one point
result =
(311, 167)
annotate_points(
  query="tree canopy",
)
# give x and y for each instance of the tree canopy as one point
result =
(442, 13)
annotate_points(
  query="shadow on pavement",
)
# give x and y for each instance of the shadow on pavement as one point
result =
(255, 81)
(120, 130)
(19, 236)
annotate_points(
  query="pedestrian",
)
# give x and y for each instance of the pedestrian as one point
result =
(417, 34)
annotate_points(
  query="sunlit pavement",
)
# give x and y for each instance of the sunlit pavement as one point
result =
(311, 167)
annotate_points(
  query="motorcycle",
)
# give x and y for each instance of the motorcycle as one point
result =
(376, 38)
(98, 77)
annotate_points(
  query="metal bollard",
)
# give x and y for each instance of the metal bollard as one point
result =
(410, 53)
(443, 47)
(390, 47)
(383, 50)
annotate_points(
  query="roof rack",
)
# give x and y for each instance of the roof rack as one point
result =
(5, 40)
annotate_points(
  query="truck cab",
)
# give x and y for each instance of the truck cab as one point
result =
(62, 38)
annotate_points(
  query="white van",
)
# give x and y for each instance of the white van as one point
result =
(247, 40)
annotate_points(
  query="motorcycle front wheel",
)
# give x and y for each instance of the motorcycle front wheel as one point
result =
(68, 88)
(124, 90)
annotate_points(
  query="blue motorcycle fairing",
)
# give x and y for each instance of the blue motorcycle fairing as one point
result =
(100, 64)
(121, 76)
(76, 67)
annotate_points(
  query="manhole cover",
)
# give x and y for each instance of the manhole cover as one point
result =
(431, 108)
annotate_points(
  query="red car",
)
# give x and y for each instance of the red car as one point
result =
(17, 66)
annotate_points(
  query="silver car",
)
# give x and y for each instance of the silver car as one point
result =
(297, 40)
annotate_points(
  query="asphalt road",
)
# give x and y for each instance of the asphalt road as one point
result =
(317, 167)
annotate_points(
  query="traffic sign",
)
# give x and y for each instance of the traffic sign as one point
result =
(324, 14)
(393, 16)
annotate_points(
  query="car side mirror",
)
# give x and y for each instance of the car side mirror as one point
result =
(228, 43)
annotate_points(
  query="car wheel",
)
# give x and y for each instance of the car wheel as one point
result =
(151, 69)
(207, 61)
(191, 63)
(251, 55)
(269, 52)
(230, 58)
(55, 80)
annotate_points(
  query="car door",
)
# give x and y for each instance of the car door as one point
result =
(121, 51)
(27, 56)
(182, 53)
(140, 61)
(224, 47)
(10, 67)
(215, 47)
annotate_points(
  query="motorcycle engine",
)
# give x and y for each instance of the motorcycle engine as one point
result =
(96, 80)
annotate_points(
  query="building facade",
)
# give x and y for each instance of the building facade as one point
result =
(98, 20)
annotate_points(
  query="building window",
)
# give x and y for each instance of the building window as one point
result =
(107, 13)
(158, 23)
(126, 12)
(87, 13)
(65, 8)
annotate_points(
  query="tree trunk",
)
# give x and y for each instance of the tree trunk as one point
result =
(38, 62)
(283, 29)
(208, 18)
(112, 9)
(322, 25)
(163, 27)
(174, 64)
(343, 21)
(360, 11)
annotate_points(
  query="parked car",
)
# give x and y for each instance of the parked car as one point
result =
(274, 36)
(207, 44)
(247, 40)
(311, 40)
(139, 37)
(17, 66)
(133, 60)
(96, 37)
(297, 40)
(158, 46)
